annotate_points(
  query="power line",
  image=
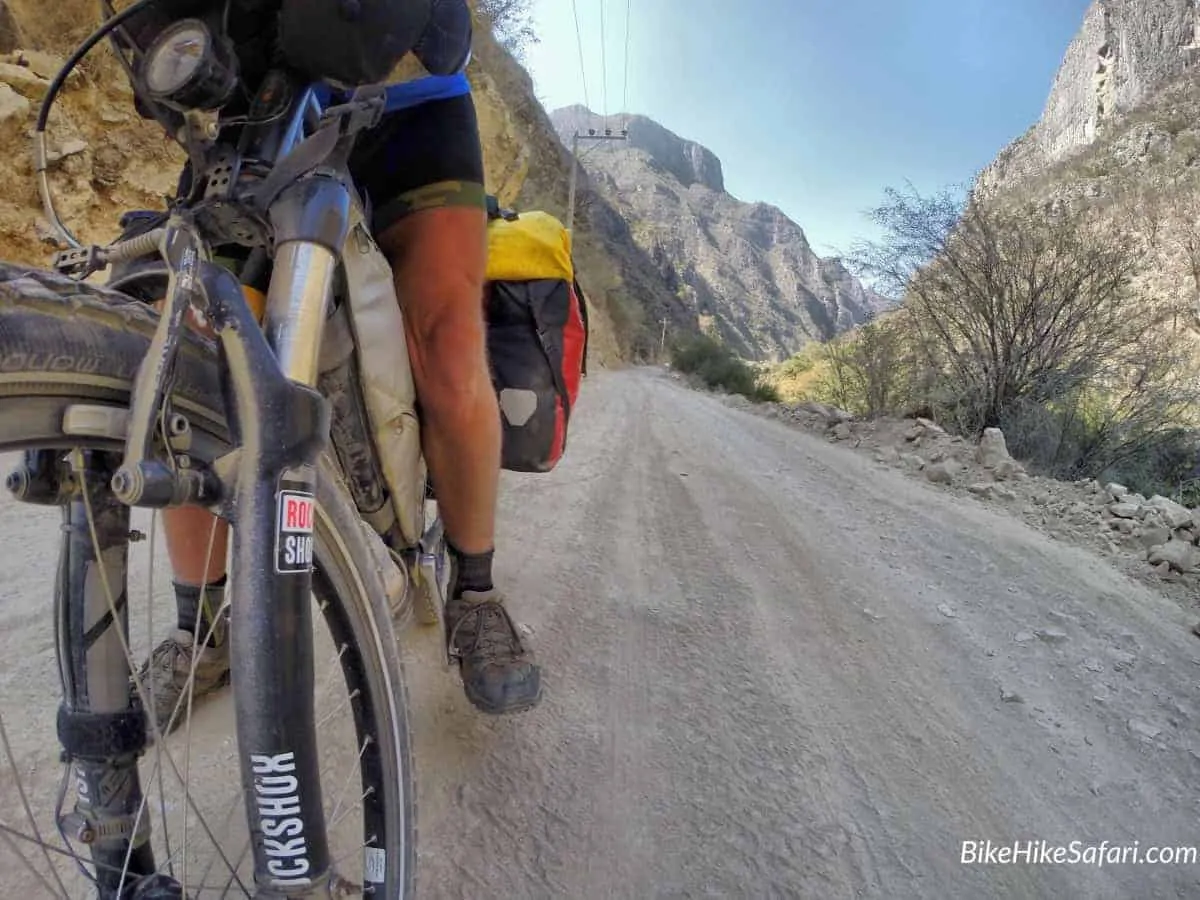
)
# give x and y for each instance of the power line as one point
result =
(603, 61)
(625, 89)
(582, 67)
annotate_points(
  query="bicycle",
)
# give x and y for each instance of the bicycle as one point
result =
(117, 406)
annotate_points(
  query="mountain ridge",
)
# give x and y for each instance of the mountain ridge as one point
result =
(744, 269)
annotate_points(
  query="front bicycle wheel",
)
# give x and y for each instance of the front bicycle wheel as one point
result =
(68, 357)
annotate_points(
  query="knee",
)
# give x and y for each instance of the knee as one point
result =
(448, 346)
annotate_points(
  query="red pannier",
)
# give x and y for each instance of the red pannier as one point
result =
(537, 333)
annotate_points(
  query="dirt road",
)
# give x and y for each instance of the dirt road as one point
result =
(774, 669)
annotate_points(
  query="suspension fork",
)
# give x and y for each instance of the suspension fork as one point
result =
(101, 730)
(280, 425)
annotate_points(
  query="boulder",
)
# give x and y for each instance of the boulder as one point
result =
(992, 450)
(1179, 555)
(1173, 514)
(13, 107)
(942, 472)
(1124, 510)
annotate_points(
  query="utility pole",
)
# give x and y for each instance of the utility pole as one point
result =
(591, 135)
(662, 347)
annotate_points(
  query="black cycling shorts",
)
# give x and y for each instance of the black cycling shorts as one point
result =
(424, 157)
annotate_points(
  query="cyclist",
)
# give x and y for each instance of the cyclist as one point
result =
(422, 168)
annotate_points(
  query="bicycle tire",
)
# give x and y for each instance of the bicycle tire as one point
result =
(63, 343)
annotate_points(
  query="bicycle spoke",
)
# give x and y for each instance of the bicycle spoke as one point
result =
(346, 784)
(158, 735)
(350, 698)
(7, 834)
(162, 796)
(12, 761)
(363, 796)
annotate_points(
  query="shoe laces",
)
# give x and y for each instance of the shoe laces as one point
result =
(491, 633)
(169, 653)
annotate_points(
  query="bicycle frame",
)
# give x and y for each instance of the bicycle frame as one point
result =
(266, 488)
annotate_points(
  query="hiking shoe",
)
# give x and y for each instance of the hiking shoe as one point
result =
(498, 672)
(169, 667)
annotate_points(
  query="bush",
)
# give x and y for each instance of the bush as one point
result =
(715, 365)
(511, 22)
(1026, 318)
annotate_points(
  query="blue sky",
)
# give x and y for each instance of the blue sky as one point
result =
(817, 105)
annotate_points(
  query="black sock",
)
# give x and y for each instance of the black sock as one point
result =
(469, 571)
(192, 602)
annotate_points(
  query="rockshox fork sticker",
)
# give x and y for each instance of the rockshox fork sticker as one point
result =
(295, 514)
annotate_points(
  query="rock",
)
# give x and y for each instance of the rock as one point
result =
(1007, 696)
(942, 472)
(1144, 729)
(831, 414)
(982, 488)
(1093, 665)
(1060, 618)
(108, 165)
(1174, 514)
(912, 460)
(992, 448)
(1154, 537)
(1051, 635)
(24, 81)
(888, 455)
(44, 65)
(914, 432)
(947, 611)
(841, 431)
(1151, 518)
(69, 148)
(1179, 555)
(1003, 493)
(1124, 526)
(1124, 510)
(931, 426)
(1009, 469)
(13, 106)
(1116, 491)
(10, 32)
(1023, 637)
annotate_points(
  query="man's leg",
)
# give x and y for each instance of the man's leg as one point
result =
(199, 586)
(424, 169)
(438, 257)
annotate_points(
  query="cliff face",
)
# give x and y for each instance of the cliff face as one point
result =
(1124, 53)
(744, 268)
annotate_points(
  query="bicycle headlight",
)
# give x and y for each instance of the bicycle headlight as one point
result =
(186, 68)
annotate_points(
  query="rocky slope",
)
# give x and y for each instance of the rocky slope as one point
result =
(107, 160)
(744, 268)
(1120, 139)
(1125, 53)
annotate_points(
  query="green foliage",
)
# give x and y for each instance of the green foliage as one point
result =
(511, 22)
(713, 363)
(802, 362)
